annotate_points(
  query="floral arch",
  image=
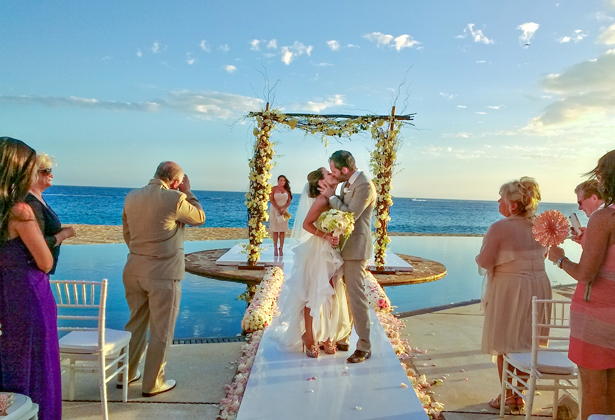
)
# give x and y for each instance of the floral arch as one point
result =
(385, 132)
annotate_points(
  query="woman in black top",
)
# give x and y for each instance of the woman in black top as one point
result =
(49, 222)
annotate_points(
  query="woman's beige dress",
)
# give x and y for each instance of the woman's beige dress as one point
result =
(514, 264)
(276, 222)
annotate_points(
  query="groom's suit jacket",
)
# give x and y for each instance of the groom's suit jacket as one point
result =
(360, 199)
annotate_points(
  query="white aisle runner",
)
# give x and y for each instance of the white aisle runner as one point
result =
(285, 385)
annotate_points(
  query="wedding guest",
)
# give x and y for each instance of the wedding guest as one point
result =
(592, 312)
(154, 223)
(29, 347)
(280, 199)
(514, 264)
(49, 222)
(589, 199)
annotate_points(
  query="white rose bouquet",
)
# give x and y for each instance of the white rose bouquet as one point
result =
(338, 223)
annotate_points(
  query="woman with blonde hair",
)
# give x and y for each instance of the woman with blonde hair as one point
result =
(48, 221)
(29, 347)
(514, 264)
(592, 312)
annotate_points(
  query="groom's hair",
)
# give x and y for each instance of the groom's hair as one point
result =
(343, 159)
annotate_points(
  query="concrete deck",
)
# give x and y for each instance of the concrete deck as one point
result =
(451, 337)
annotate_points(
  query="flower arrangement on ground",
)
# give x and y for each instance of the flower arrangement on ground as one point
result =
(338, 223)
(262, 306)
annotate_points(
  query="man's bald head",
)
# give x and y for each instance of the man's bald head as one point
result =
(169, 172)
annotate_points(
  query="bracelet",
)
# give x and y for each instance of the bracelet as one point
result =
(560, 261)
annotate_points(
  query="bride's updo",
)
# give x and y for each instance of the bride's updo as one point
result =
(313, 178)
(525, 192)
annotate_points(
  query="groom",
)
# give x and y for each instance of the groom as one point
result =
(359, 197)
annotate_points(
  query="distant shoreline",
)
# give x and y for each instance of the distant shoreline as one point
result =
(104, 234)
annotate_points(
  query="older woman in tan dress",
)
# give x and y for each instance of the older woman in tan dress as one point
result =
(514, 264)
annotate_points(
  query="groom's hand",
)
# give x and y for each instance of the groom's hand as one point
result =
(325, 189)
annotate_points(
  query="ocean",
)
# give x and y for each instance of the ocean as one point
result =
(226, 209)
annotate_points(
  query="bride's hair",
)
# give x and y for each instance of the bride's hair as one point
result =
(313, 178)
(525, 192)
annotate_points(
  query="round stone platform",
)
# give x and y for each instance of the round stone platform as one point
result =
(203, 263)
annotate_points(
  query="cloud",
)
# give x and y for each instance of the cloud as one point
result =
(402, 41)
(230, 68)
(224, 47)
(190, 59)
(587, 95)
(461, 134)
(204, 46)
(481, 62)
(477, 35)
(447, 95)
(255, 45)
(461, 106)
(289, 53)
(529, 29)
(603, 16)
(204, 105)
(334, 45)
(481, 113)
(493, 106)
(156, 47)
(576, 37)
(272, 44)
(139, 53)
(335, 100)
(608, 36)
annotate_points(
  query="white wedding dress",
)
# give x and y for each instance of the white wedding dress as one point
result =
(315, 266)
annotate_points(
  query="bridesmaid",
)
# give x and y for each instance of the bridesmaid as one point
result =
(29, 347)
(280, 199)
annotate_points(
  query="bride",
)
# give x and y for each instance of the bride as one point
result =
(313, 304)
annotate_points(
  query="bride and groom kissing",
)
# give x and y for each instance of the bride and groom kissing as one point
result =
(324, 293)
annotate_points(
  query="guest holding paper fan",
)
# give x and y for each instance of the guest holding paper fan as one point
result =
(592, 312)
(280, 199)
(514, 264)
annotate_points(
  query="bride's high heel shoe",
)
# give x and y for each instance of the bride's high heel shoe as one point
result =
(281, 252)
(329, 347)
(311, 351)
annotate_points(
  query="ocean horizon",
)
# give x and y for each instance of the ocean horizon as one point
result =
(226, 209)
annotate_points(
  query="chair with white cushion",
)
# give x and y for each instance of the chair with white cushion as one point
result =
(89, 346)
(544, 368)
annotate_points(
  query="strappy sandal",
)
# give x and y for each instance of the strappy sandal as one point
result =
(511, 402)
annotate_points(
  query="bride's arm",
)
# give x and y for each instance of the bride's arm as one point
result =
(320, 205)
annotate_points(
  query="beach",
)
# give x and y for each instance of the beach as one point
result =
(103, 234)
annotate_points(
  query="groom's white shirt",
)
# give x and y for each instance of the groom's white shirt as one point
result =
(348, 183)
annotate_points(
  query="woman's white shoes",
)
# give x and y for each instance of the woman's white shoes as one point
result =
(168, 385)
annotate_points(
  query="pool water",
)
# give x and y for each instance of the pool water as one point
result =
(210, 308)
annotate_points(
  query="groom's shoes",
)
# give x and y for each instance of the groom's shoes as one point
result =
(343, 346)
(359, 356)
(167, 386)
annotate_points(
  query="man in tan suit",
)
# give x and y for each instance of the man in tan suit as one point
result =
(359, 197)
(154, 221)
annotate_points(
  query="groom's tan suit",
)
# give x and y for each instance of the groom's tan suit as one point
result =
(359, 197)
(154, 221)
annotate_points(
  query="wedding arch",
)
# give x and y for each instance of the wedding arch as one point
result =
(385, 133)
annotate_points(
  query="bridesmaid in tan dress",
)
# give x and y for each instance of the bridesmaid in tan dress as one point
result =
(280, 199)
(514, 264)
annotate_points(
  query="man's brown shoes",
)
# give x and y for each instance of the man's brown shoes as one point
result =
(343, 346)
(359, 356)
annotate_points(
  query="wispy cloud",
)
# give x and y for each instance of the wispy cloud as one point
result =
(399, 43)
(481, 113)
(334, 45)
(447, 95)
(272, 44)
(230, 68)
(493, 106)
(139, 53)
(289, 53)
(205, 105)
(608, 36)
(587, 95)
(190, 59)
(576, 37)
(528, 30)
(477, 35)
(335, 100)
(461, 106)
(204, 46)
(224, 47)
(603, 16)
(156, 47)
(255, 45)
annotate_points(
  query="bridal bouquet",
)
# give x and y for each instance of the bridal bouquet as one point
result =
(338, 223)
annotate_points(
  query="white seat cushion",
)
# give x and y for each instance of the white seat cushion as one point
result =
(555, 363)
(601, 417)
(87, 341)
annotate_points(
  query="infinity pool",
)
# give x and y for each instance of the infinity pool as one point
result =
(209, 308)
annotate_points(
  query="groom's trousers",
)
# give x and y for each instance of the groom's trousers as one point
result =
(354, 272)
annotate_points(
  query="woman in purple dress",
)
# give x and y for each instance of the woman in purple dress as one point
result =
(29, 349)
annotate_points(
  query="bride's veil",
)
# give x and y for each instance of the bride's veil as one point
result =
(305, 202)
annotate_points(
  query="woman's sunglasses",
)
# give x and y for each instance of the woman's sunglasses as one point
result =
(45, 171)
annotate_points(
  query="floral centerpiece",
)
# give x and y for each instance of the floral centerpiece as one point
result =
(339, 223)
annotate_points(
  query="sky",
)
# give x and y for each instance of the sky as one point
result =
(500, 89)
